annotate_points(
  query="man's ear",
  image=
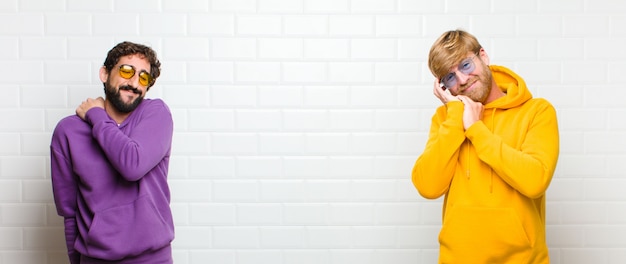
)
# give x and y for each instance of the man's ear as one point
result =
(104, 75)
(483, 56)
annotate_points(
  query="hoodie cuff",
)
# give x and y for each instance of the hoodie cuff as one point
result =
(455, 112)
(95, 115)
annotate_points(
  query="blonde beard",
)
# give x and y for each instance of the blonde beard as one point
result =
(480, 93)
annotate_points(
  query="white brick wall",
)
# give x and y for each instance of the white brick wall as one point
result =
(297, 122)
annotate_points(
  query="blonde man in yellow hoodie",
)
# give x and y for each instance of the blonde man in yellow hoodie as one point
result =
(492, 150)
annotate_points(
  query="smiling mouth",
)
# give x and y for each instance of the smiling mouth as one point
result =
(127, 94)
(468, 87)
(130, 89)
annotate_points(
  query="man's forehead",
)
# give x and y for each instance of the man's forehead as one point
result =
(137, 60)
(458, 61)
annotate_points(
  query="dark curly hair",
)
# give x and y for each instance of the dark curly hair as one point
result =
(129, 48)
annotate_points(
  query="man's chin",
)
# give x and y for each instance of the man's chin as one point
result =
(129, 100)
(125, 107)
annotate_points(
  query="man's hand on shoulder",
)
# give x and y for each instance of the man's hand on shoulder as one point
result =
(82, 109)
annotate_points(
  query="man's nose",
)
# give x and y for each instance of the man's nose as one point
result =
(134, 81)
(461, 77)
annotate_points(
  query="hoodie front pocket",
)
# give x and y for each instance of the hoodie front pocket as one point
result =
(483, 235)
(128, 230)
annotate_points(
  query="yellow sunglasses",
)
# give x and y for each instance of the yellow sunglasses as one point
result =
(128, 71)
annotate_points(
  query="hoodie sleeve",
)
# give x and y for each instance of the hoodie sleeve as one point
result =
(135, 154)
(65, 190)
(435, 167)
(528, 169)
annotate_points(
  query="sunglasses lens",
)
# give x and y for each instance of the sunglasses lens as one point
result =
(145, 78)
(127, 71)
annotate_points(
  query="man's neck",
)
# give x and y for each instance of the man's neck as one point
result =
(495, 93)
(117, 116)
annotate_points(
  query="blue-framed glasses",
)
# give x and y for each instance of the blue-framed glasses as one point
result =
(466, 67)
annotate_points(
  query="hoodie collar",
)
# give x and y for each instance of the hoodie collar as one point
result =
(510, 83)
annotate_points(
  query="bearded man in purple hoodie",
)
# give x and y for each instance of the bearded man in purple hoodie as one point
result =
(109, 165)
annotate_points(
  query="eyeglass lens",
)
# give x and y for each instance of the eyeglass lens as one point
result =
(466, 66)
(128, 71)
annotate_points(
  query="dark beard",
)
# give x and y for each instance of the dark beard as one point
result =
(115, 98)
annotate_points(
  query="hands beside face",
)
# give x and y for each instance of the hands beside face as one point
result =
(442, 94)
(88, 104)
(472, 111)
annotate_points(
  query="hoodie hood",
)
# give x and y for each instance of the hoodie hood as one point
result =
(510, 83)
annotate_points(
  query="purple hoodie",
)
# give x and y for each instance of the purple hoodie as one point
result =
(110, 184)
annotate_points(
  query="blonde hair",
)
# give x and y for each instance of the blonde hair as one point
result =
(450, 48)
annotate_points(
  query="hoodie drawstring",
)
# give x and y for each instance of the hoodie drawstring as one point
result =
(467, 172)
(493, 121)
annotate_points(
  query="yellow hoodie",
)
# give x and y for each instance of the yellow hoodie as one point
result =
(494, 176)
